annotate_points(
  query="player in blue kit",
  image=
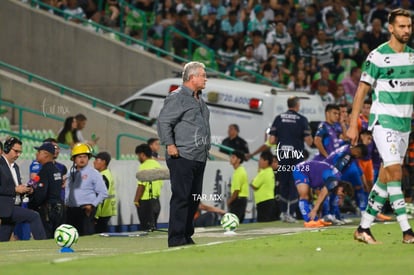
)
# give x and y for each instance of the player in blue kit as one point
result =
(329, 133)
(344, 159)
(320, 177)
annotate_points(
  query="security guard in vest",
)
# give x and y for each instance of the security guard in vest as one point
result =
(108, 207)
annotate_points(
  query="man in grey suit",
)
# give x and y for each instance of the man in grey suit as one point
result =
(10, 189)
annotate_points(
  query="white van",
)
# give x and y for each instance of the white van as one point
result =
(252, 106)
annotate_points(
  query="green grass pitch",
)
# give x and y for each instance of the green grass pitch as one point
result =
(259, 248)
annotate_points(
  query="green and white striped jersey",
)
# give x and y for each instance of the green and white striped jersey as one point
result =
(391, 75)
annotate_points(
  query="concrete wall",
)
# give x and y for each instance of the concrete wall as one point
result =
(47, 101)
(70, 54)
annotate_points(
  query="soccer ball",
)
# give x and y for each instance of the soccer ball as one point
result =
(66, 235)
(229, 222)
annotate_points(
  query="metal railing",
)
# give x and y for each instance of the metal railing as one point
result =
(118, 141)
(66, 90)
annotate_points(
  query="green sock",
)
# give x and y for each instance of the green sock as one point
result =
(376, 199)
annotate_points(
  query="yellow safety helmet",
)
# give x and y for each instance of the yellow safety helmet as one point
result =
(81, 148)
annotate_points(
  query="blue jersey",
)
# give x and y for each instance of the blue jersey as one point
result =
(290, 128)
(342, 160)
(315, 173)
(329, 133)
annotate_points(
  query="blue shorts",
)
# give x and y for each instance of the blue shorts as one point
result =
(299, 177)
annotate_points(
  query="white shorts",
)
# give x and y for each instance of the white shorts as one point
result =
(392, 145)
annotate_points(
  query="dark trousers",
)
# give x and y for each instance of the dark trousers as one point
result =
(266, 211)
(238, 207)
(148, 212)
(101, 224)
(288, 193)
(20, 215)
(52, 217)
(186, 187)
(85, 224)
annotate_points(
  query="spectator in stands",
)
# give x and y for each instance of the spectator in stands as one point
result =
(191, 8)
(234, 141)
(157, 41)
(296, 33)
(221, 10)
(227, 55)
(269, 13)
(354, 24)
(329, 26)
(74, 11)
(325, 75)
(350, 83)
(112, 12)
(210, 30)
(257, 22)
(165, 16)
(183, 25)
(80, 125)
(237, 6)
(274, 71)
(278, 34)
(246, 65)
(324, 52)
(259, 48)
(341, 97)
(233, 26)
(276, 51)
(89, 7)
(373, 38)
(304, 51)
(323, 91)
(311, 18)
(380, 11)
(346, 42)
(266, 72)
(337, 10)
(67, 135)
(299, 81)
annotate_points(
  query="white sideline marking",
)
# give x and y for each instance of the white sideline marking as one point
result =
(258, 234)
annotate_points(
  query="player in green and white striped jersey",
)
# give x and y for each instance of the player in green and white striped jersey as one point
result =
(389, 71)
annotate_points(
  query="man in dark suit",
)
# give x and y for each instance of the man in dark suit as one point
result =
(10, 189)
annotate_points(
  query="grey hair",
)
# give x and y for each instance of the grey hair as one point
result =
(191, 68)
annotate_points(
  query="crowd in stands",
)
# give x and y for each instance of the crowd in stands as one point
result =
(285, 43)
